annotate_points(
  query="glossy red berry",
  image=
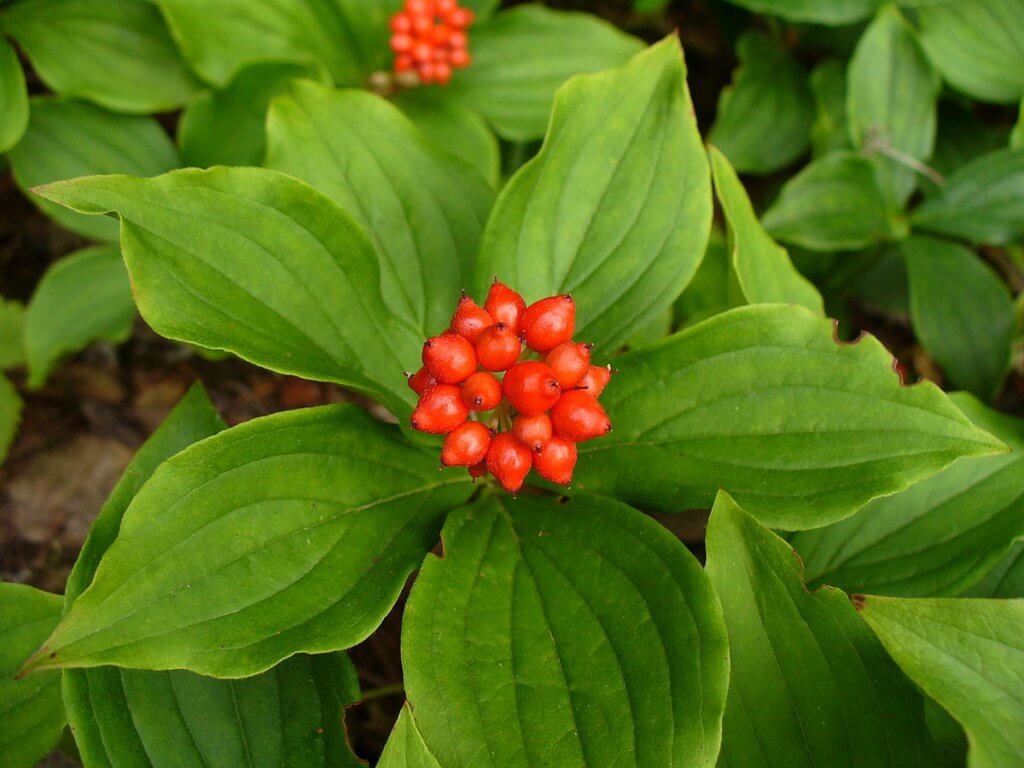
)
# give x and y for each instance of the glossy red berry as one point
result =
(421, 381)
(532, 431)
(478, 470)
(577, 416)
(570, 362)
(401, 23)
(440, 410)
(466, 445)
(549, 322)
(556, 460)
(595, 379)
(461, 17)
(498, 348)
(481, 392)
(505, 305)
(470, 319)
(509, 461)
(531, 387)
(449, 358)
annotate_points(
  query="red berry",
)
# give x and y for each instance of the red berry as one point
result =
(440, 410)
(422, 52)
(457, 40)
(595, 379)
(461, 17)
(532, 431)
(401, 23)
(404, 62)
(466, 445)
(459, 58)
(505, 305)
(444, 7)
(470, 319)
(443, 72)
(478, 470)
(439, 34)
(556, 460)
(419, 7)
(401, 42)
(422, 26)
(449, 358)
(549, 322)
(498, 347)
(570, 362)
(577, 416)
(531, 387)
(421, 381)
(426, 72)
(509, 461)
(481, 392)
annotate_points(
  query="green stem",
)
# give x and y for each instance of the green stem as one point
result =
(385, 690)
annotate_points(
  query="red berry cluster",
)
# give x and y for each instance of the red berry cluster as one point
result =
(429, 37)
(532, 417)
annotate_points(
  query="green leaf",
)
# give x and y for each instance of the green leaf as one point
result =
(405, 747)
(66, 139)
(937, 537)
(962, 313)
(963, 136)
(978, 46)
(832, 12)
(762, 402)
(454, 128)
(522, 56)
(761, 266)
(10, 415)
(830, 131)
(12, 321)
(834, 204)
(116, 53)
(571, 635)
(764, 118)
(712, 288)
(228, 127)
(82, 298)
(982, 202)
(969, 656)
(13, 97)
(276, 273)
(290, 533)
(893, 92)
(1017, 137)
(810, 685)
(616, 208)
(424, 209)
(1006, 579)
(31, 710)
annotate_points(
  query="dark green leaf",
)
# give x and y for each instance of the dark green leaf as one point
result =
(12, 322)
(830, 131)
(1017, 137)
(809, 681)
(762, 402)
(833, 12)
(963, 136)
(10, 414)
(616, 207)
(405, 747)
(712, 288)
(13, 97)
(1006, 579)
(568, 635)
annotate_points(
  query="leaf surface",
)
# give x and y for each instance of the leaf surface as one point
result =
(13, 97)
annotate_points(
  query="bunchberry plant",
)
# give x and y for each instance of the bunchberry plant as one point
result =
(430, 39)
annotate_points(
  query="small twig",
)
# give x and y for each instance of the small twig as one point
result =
(384, 690)
(876, 142)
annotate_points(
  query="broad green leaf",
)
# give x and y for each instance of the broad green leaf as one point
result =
(13, 97)
(276, 273)
(616, 208)
(760, 265)
(810, 685)
(454, 128)
(424, 209)
(12, 321)
(31, 710)
(968, 655)
(982, 202)
(67, 139)
(571, 635)
(891, 102)
(764, 118)
(830, 131)
(762, 402)
(977, 45)
(10, 415)
(81, 299)
(405, 747)
(962, 313)
(833, 12)
(522, 56)
(937, 537)
(654, 331)
(1017, 137)
(290, 533)
(228, 127)
(1006, 579)
(712, 288)
(834, 204)
(116, 53)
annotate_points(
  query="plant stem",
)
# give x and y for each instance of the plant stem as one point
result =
(384, 690)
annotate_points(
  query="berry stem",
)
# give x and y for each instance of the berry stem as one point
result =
(504, 417)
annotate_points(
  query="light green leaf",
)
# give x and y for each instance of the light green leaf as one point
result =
(1006, 579)
(833, 12)
(10, 415)
(762, 402)
(760, 265)
(405, 747)
(31, 710)
(66, 139)
(276, 273)
(893, 92)
(571, 635)
(424, 209)
(228, 127)
(522, 56)
(978, 46)
(809, 681)
(982, 202)
(969, 656)
(937, 537)
(764, 118)
(830, 131)
(13, 97)
(116, 53)
(290, 533)
(962, 313)
(81, 299)
(616, 208)
(834, 204)
(654, 331)
(12, 320)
